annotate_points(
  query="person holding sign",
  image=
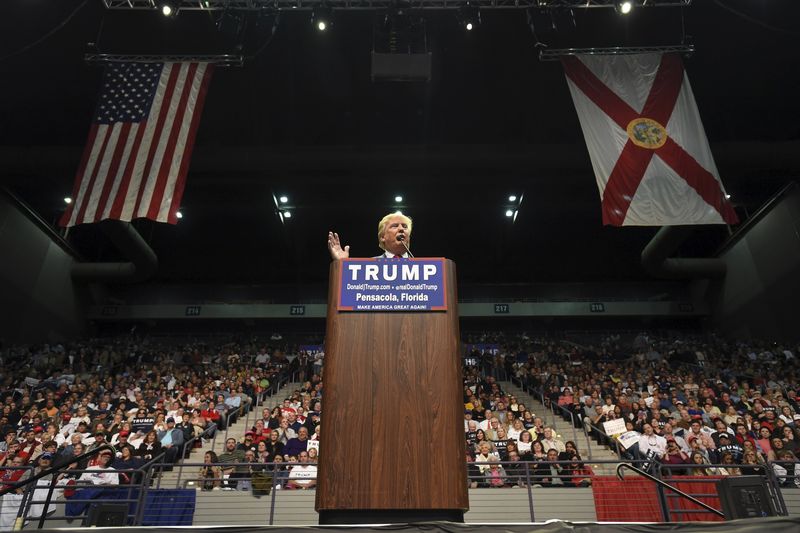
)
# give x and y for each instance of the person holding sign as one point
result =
(394, 238)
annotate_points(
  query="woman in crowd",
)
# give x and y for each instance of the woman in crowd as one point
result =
(313, 455)
(286, 433)
(729, 466)
(150, 447)
(787, 415)
(262, 455)
(501, 443)
(700, 467)
(483, 456)
(494, 475)
(480, 437)
(127, 461)
(731, 416)
(210, 475)
(524, 445)
(574, 472)
(674, 456)
(752, 465)
(764, 443)
(516, 429)
(538, 452)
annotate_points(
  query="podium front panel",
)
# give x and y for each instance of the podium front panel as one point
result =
(392, 431)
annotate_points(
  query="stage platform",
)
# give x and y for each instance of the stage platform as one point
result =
(750, 525)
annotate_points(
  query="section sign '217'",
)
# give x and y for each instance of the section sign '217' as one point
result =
(392, 285)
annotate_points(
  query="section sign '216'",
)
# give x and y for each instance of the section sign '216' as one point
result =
(392, 285)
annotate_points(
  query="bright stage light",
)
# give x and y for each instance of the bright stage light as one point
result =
(178, 215)
(284, 199)
(398, 199)
(509, 213)
(287, 214)
(168, 8)
(67, 200)
(512, 198)
(469, 16)
(624, 7)
(322, 17)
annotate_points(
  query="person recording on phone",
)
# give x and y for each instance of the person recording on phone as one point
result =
(394, 238)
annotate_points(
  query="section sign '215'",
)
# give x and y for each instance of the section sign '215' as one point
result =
(392, 285)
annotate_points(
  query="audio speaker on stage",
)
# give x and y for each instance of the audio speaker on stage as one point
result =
(745, 497)
(401, 67)
(107, 515)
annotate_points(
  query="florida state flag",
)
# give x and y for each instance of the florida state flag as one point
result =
(647, 144)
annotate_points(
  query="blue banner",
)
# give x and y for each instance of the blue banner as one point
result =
(392, 285)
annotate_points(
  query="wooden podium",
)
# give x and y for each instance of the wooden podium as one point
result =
(392, 447)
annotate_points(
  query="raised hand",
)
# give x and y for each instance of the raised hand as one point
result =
(335, 247)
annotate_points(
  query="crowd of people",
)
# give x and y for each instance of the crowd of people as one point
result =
(140, 400)
(683, 405)
(692, 406)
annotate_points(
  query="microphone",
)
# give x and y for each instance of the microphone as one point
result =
(402, 239)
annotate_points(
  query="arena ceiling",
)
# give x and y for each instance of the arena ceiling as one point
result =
(303, 118)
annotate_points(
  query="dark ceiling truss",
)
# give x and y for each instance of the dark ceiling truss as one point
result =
(253, 5)
(554, 54)
(221, 60)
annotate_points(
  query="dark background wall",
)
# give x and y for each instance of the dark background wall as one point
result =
(761, 293)
(38, 301)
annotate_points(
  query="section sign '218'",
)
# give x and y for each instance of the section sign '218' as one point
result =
(392, 285)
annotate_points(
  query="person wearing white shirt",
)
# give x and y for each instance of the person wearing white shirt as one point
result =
(101, 473)
(650, 441)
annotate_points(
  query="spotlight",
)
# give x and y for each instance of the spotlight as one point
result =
(67, 200)
(287, 214)
(727, 196)
(512, 198)
(398, 199)
(283, 199)
(322, 17)
(178, 215)
(168, 8)
(509, 213)
(469, 16)
(623, 7)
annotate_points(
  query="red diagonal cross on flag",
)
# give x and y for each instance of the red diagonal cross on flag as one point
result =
(645, 135)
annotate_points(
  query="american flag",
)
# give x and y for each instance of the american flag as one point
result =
(140, 143)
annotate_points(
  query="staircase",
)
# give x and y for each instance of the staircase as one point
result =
(179, 475)
(589, 449)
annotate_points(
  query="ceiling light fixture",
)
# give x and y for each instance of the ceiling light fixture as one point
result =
(168, 8)
(398, 199)
(509, 213)
(469, 16)
(287, 214)
(512, 198)
(178, 215)
(322, 17)
(284, 199)
(623, 7)
(67, 200)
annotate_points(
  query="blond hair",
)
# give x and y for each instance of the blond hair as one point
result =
(385, 220)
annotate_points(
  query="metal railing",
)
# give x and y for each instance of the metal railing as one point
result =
(622, 466)
(144, 498)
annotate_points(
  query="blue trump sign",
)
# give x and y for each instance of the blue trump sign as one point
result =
(392, 285)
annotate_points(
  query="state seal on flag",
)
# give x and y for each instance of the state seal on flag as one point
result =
(647, 133)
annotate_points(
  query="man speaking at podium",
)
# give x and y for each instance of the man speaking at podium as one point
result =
(394, 238)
